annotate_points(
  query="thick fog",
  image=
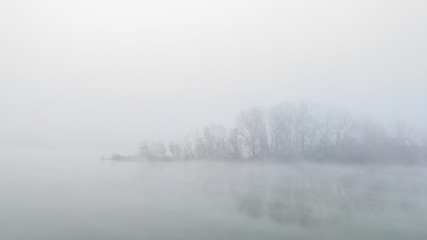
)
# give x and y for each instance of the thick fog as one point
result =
(223, 119)
(106, 75)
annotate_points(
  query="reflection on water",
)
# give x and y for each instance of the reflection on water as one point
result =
(91, 199)
(309, 195)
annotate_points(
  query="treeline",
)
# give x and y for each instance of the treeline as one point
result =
(289, 132)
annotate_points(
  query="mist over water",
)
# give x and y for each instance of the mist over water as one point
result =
(59, 198)
(196, 119)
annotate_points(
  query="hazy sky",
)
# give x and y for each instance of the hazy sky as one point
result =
(109, 74)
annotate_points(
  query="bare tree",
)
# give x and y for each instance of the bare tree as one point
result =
(305, 126)
(153, 150)
(188, 148)
(252, 126)
(281, 129)
(234, 144)
(175, 150)
(212, 141)
(324, 132)
(297, 130)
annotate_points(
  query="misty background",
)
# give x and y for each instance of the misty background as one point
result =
(101, 76)
(82, 82)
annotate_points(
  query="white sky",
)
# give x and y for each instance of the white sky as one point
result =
(109, 74)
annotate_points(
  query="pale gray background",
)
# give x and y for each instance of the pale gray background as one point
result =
(105, 75)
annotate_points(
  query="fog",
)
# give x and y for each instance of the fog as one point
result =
(108, 74)
(82, 81)
(84, 199)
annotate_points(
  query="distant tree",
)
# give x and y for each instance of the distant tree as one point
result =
(372, 141)
(324, 133)
(252, 126)
(175, 150)
(153, 150)
(305, 127)
(214, 141)
(281, 122)
(402, 134)
(188, 148)
(234, 144)
(298, 130)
